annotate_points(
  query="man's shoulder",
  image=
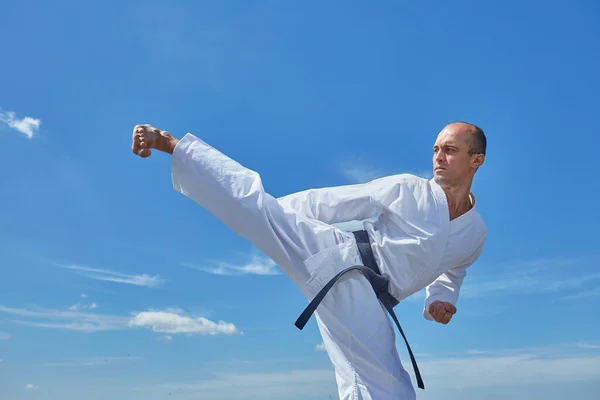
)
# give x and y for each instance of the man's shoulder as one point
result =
(406, 178)
(405, 183)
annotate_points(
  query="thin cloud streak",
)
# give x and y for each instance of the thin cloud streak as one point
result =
(584, 294)
(91, 362)
(557, 364)
(259, 385)
(361, 173)
(78, 306)
(67, 320)
(170, 321)
(538, 276)
(358, 172)
(256, 266)
(117, 277)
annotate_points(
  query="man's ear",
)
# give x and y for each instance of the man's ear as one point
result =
(477, 160)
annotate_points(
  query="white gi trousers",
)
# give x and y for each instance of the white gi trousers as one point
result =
(357, 333)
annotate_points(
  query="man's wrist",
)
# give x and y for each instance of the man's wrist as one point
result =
(168, 143)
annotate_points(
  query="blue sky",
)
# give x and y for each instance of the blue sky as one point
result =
(115, 286)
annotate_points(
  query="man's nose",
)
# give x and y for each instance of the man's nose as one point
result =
(440, 156)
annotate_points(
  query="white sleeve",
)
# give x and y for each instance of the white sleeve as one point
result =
(447, 286)
(345, 203)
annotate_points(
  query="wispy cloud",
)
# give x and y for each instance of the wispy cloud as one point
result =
(320, 347)
(588, 346)
(361, 173)
(169, 321)
(584, 294)
(358, 172)
(471, 369)
(257, 265)
(545, 276)
(68, 320)
(5, 336)
(308, 383)
(174, 321)
(529, 284)
(78, 306)
(31, 386)
(92, 361)
(28, 126)
(81, 306)
(117, 277)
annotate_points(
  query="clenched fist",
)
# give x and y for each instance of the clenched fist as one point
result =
(146, 137)
(441, 311)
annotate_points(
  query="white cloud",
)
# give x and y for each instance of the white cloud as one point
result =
(27, 125)
(84, 296)
(320, 347)
(5, 336)
(173, 322)
(258, 265)
(165, 338)
(170, 321)
(31, 386)
(112, 276)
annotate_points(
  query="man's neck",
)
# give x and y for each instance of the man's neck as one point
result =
(459, 200)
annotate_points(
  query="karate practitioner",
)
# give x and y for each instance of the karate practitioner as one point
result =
(427, 234)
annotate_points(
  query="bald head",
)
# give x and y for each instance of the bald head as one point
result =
(476, 136)
(459, 151)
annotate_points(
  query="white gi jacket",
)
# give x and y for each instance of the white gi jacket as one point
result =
(414, 241)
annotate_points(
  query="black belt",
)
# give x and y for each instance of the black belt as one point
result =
(379, 283)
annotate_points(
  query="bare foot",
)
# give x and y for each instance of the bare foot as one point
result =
(146, 137)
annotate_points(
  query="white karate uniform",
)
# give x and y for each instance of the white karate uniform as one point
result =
(413, 240)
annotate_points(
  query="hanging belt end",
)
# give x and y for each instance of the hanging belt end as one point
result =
(300, 324)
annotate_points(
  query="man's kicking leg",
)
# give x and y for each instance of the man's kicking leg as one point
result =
(234, 194)
(356, 331)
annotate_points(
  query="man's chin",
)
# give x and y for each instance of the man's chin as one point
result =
(440, 179)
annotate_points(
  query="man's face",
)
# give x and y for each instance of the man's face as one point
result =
(452, 164)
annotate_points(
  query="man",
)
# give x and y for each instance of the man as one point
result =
(427, 234)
